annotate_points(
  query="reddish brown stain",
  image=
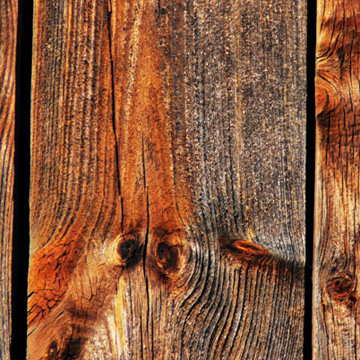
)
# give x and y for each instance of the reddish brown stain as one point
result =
(341, 286)
(143, 124)
(51, 271)
(242, 249)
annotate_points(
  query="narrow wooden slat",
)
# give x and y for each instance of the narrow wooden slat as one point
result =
(167, 190)
(336, 262)
(8, 34)
(75, 208)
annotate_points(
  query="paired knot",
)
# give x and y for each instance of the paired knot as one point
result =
(166, 252)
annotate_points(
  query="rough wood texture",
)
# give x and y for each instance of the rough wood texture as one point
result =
(336, 265)
(8, 33)
(167, 190)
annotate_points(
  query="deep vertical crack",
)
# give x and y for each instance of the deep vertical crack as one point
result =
(113, 97)
(146, 245)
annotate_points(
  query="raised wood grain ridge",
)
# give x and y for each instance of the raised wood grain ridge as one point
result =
(8, 35)
(337, 220)
(167, 188)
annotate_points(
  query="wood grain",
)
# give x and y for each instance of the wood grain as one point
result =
(336, 264)
(167, 190)
(8, 35)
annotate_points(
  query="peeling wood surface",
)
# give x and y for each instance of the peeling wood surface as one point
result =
(8, 33)
(336, 264)
(167, 180)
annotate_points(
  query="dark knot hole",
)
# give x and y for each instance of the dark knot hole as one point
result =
(127, 248)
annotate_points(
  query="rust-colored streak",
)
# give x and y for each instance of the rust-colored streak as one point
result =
(242, 250)
(152, 208)
(143, 123)
(51, 271)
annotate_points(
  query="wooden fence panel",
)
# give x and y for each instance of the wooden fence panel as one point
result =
(167, 180)
(337, 220)
(8, 35)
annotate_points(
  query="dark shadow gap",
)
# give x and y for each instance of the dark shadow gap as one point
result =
(21, 238)
(310, 175)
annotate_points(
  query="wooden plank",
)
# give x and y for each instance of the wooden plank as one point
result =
(337, 220)
(8, 34)
(167, 190)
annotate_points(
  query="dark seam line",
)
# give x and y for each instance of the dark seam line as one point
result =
(113, 100)
(21, 225)
(310, 175)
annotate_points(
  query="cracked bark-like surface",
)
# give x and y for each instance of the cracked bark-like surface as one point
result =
(336, 260)
(167, 189)
(8, 33)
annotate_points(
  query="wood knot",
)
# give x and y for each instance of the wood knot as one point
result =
(169, 253)
(241, 249)
(168, 257)
(128, 249)
(325, 101)
(161, 11)
(341, 288)
(53, 351)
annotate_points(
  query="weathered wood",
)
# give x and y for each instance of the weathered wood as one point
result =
(8, 33)
(167, 190)
(337, 220)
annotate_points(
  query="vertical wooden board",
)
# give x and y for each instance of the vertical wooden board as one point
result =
(74, 196)
(167, 196)
(336, 262)
(8, 35)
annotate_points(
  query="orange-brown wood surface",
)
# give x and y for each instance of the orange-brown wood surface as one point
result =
(8, 33)
(337, 220)
(167, 180)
